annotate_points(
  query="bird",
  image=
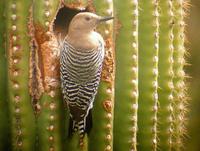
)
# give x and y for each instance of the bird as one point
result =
(81, 60)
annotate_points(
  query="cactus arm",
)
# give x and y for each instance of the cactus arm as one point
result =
(126, 93)
(179, 74)
(101, 137)
(166, 112)
(22, 118)
(148, 74)
(4, 114)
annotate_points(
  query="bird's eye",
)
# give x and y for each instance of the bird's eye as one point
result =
(87, 18)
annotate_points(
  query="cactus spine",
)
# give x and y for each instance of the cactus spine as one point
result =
(141, 101)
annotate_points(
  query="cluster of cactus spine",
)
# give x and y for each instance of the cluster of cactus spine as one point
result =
(141, 101)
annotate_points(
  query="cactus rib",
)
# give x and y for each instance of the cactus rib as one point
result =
(166, 75)
(23, 132)
(48, 122)
(126, 90)
(148, 75)
(179, 74)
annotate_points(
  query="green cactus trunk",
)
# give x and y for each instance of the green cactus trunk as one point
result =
(141, 100)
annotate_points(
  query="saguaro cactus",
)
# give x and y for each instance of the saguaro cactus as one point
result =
(141, 100)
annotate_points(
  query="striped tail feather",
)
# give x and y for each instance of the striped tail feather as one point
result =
(83, 126)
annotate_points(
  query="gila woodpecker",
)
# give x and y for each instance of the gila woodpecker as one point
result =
(81, 59)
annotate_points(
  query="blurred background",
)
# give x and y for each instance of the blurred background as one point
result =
(193, 70)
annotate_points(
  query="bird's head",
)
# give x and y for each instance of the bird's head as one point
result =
(86, 21)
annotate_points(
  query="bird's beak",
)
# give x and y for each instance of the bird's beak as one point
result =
(103, 19)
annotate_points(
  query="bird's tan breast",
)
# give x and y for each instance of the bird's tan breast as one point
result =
(84, 41)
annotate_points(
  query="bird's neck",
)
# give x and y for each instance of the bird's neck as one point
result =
(83, 40)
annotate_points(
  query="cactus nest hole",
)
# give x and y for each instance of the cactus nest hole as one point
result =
(63, 18)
